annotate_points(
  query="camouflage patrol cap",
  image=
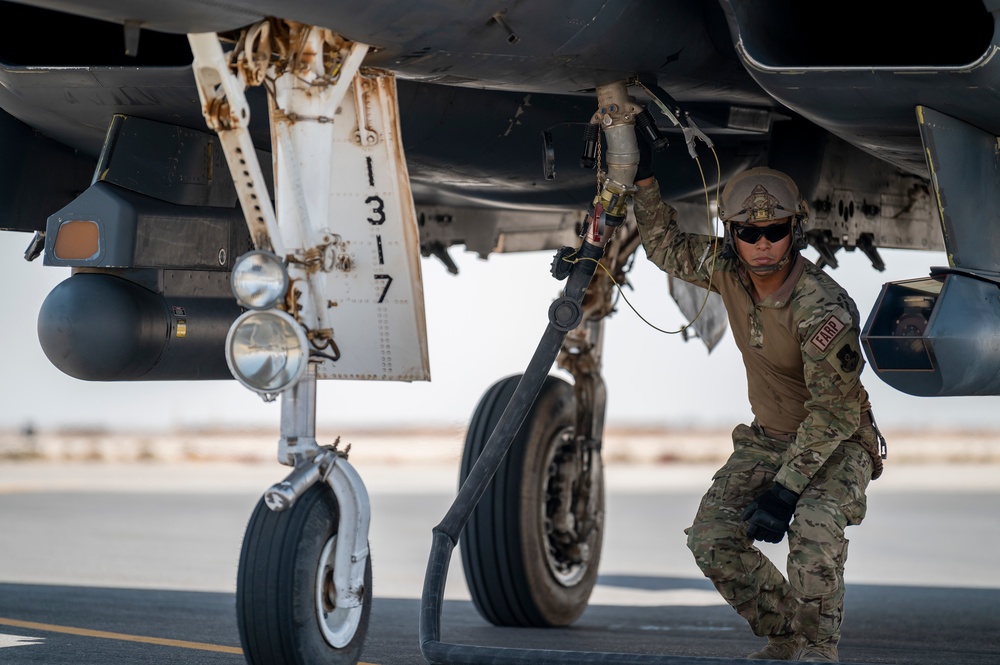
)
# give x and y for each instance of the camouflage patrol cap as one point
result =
(759, 194)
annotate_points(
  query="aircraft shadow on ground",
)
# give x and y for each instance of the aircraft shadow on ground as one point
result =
(905, 625)
(884, 624)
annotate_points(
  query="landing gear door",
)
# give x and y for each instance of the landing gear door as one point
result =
(358, 241)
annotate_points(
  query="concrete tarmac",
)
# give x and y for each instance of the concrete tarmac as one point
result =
(136, 562)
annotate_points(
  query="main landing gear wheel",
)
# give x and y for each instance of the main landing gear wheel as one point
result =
(284, 592)
(532, 546)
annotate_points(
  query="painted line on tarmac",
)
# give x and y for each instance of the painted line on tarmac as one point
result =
(85, 632)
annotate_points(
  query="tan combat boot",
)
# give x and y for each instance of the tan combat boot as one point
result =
(824, 652)
(783, 647)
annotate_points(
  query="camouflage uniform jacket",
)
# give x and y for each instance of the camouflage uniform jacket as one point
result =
(799, 345)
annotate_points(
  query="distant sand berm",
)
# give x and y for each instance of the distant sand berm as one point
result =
(443, 445)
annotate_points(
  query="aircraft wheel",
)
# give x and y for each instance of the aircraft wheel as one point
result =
(531, 548)
(284, 591)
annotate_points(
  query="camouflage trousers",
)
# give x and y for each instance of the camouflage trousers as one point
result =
(811, 601)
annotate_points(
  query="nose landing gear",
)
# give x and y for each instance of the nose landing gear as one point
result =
(285, 591)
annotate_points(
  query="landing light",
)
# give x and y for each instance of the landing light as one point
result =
(267, 351)
(259, 280)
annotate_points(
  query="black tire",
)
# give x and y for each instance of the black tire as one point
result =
(518, 569)
(279, 605)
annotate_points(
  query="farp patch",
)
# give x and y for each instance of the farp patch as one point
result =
(827, 333)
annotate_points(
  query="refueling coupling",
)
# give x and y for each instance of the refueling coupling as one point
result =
(616, 116)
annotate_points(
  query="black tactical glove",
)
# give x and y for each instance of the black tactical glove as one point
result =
(645, 168)
(770, 514)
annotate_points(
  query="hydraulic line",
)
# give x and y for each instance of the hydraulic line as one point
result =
(446, 534)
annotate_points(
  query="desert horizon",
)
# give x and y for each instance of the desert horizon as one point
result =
(423, 444)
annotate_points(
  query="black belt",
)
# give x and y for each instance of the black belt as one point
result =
(779, 436)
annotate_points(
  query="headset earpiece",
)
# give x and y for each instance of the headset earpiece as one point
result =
(798, 232)
(799, 241)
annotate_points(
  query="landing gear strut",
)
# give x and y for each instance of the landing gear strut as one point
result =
(564, 482)
(531, 548)
(304, 590)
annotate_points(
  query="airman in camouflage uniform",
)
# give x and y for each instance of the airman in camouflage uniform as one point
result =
(812, 447)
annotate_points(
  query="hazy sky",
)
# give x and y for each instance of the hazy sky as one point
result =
(482, 325)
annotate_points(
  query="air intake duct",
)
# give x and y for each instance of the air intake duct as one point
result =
(937, 336)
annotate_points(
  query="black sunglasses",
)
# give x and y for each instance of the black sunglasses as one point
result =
(773, 232)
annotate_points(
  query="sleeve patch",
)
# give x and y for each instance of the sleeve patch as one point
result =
(849, 359)
(827, 333)
(847, 363)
